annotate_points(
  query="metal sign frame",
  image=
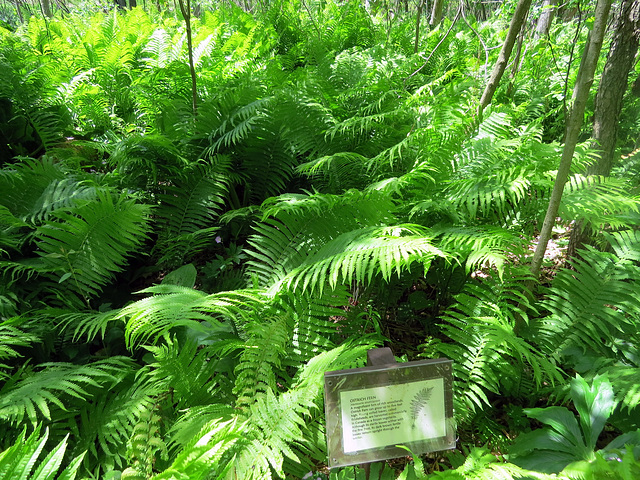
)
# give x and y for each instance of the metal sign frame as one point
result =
(371, 410)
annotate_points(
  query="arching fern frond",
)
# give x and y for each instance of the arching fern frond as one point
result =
(68, 247)
(488, 355)
(479, 247)
(599, 202)
(172, 306)
(295, 227)
(31, 394)
(596, 301)
(359, 255)
(19, 460)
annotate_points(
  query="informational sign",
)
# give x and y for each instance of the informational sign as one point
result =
(371, 411)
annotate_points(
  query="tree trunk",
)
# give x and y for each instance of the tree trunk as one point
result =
(522, 8)
(608, 104)
(516, 65)
(186, 13)
(17, 2)
(436, 13)
(574, 124)
(419, 16)
(613, 85)
(46, 8)
(545, 20)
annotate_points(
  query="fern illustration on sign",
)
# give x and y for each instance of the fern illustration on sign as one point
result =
(420, 402)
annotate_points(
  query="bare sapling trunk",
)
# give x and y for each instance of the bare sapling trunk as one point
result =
(436, 13)
(419, 16)
(185, 8)
(46, 8)
(545, 20)
(522, 8)
(574, 124)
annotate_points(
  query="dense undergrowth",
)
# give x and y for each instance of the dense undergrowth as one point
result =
(174, 286)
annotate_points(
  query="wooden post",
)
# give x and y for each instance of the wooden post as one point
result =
(377, 357)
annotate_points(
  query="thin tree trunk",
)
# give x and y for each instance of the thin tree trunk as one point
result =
(436, 13)
(574, 124)
(546, 19)
(522, 8)
(186, 13)
(415, 45)
(516, 64)
(46, 8)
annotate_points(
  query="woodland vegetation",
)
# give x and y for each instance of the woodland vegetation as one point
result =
(205, 206)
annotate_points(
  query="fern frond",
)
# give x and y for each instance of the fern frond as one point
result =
(276, 424)
(172, 306)
(598, 202)
(480, 247)
(30, 394)
(18, 461)
(260, 362)
(188, 207)
(359, 255)
(299, 225)
(103, 426)
(186, 369)
(487, 353)
(594, 303)
(205, 456)
(89, 325)
(11, 336)
(68, 248)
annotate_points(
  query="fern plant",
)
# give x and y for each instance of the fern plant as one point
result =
(21, 460)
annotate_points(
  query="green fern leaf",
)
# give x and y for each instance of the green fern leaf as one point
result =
(69, 247)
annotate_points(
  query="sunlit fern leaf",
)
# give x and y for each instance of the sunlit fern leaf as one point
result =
(203, 49)
(161, 49)
(595, 302)
(173, 306)
(359, 255)
(19, 460)
(259, 366)
(206, 455)
(30, 393)
(193, 419)
(297, 226)
(599, 202)
(483, 248)
(68, 247)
